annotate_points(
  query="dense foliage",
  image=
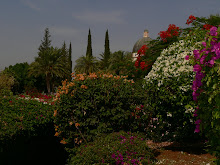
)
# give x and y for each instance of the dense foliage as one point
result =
(23, 82)
(98, 103)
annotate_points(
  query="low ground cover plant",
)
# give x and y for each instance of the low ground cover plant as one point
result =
(115, 148)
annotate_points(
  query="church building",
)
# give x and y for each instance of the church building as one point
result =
(142, 41)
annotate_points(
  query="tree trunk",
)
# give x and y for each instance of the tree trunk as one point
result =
(48, 83)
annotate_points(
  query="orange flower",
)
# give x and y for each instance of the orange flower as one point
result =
(56, 127)
(72, 93)
(55, 113)
(92, 76)
(72, 74)
(56, 134)
(77, 124)
(116, 77)
(71, 84)
(63, 141)
(80, 77)
(71, 123)
(84, 87)
(58, 95)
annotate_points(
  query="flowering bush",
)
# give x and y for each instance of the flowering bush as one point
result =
(118, 148)
(98, 103)
(172, 63)
(206, 88)
(168, 85)
(171, 32)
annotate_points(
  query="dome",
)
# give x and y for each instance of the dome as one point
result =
(142, 41)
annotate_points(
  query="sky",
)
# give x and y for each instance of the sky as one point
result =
(22, 23)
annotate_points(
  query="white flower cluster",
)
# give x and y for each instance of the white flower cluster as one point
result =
(172, 63)
(37, 99)
(189, 110)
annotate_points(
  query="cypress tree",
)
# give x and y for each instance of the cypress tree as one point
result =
(107, 49)
(70, 57)
(46, 43)
(89, 45)
(64, 50)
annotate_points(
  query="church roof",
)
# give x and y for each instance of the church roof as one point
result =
(142, 41)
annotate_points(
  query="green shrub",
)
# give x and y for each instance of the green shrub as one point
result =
(114, 148)
(102, 103)
(21, 114)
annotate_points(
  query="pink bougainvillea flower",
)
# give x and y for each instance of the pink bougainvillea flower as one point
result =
(197, 130)
(197, 68)
(202, 59)
(196, 54)
(187, 57)
(198, 121)
(213, 31)
(211, 62)
(204, 44)
(195, 95)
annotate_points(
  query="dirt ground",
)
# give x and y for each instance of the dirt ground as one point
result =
(171, 153)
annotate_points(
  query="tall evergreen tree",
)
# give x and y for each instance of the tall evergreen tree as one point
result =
(68, 62)
(107, 49)
(89, 46)
(70, 57)
(64, 49)
(105, 57)
(46, 43)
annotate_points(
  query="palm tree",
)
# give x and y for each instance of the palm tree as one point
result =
(104, 63)
(86, 64)
(51, 63)
(119, 61)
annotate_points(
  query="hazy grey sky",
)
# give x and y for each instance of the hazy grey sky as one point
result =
(22, 23)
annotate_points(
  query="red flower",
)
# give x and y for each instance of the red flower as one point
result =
(22, 96)
(142, 50)
(136, 63)
(10, 101)
(172, 31)
(207, 26)
(190, 19)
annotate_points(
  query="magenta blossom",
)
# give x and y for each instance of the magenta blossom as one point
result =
(197, 130)
(202, 59)
(198, 121)
(213, 31)
(197, 68)
(187, 57)
(196, 54)
(204, 44)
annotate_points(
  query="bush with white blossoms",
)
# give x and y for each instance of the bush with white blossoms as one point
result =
(171, 63)
(168, 85)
